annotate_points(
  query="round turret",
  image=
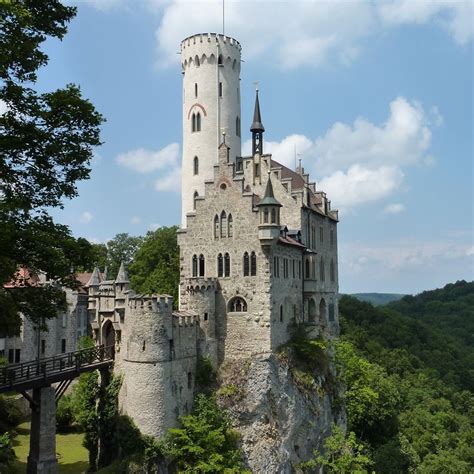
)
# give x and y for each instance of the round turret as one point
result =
(211, 105)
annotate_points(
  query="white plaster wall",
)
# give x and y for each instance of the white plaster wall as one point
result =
(216, 112)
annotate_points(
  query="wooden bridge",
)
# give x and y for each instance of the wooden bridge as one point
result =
(38, 376)
(60, 368)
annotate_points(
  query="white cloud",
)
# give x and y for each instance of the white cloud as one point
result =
(284, 151)
(363, 162)
(145, 161)
(170, 182)
(360, 185)
(403, 139)
(85, 217)
(135, 220)
(308, 33)
(394, 208)
(400, 256)
(455, 16)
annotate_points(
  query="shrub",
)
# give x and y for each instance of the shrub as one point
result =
(64, 414)
(7, 455)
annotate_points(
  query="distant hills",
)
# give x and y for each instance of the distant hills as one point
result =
(378, 299)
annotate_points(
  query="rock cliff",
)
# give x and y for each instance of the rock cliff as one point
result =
(281, 413)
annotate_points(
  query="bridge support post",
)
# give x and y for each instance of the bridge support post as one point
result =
(42, 457)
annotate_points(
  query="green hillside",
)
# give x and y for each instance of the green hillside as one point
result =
(378, 299)
(408, 369)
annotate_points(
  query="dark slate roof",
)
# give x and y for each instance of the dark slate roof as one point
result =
(269, 197)
(257, 125)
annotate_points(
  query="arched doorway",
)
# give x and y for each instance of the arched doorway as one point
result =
(108, 334)
(311, 311)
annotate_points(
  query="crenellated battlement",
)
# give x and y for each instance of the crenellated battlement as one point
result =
(185, 319)
(211, 48)
(150, 303)
(200, 38)
(198, 284)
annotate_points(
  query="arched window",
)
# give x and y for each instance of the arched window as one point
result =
(226, 265)
(281, 313)
(246, 264)
(265, 216)
(274, 216)
(193, 122)
(220, 265)
(230, 226)
(253, 264)
(195, 90)
(198, 122)
(223, 224)
(237, 126)
(216, 226)
(321, 270)
(195, 266)
(306, 269)
(220, 61)
(237, 305)
(196, 165)
(195, 196)
(201, 265)
(332, 271)
(197, 63)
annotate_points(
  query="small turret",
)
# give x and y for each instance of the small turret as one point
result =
(94, 279)
(257, 129)
(269, 210)
(122, 275)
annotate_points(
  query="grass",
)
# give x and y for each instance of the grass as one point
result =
(72, 456)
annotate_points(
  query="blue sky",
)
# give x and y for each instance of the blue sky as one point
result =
(376, 96)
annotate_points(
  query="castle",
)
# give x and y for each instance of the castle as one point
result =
(258, 253)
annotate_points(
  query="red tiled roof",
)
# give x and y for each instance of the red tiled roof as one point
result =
(23, 277)
(289, 241)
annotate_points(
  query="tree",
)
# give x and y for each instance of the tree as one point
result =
(122, 248)
(46, 144)
(155, 268)
(205, 441)
(342, 454)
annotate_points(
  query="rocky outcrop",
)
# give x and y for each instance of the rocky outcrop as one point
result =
(281, 417)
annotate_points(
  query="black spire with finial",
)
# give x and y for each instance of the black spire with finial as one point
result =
(257, 128)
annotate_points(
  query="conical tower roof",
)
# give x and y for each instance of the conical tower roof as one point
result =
(269, 197)
(95, 278)
(257, 125)
(122, 275)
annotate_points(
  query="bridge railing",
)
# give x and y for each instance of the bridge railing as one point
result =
(71, 361)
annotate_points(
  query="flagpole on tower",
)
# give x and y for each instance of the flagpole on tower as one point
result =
(223, 18)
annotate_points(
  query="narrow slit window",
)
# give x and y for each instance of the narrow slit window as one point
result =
(196, 165)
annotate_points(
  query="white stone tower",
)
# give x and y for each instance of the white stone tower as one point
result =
(211, 107)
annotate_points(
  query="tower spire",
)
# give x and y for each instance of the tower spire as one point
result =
(257, 128)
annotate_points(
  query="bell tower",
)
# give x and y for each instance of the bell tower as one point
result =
(211, 104)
